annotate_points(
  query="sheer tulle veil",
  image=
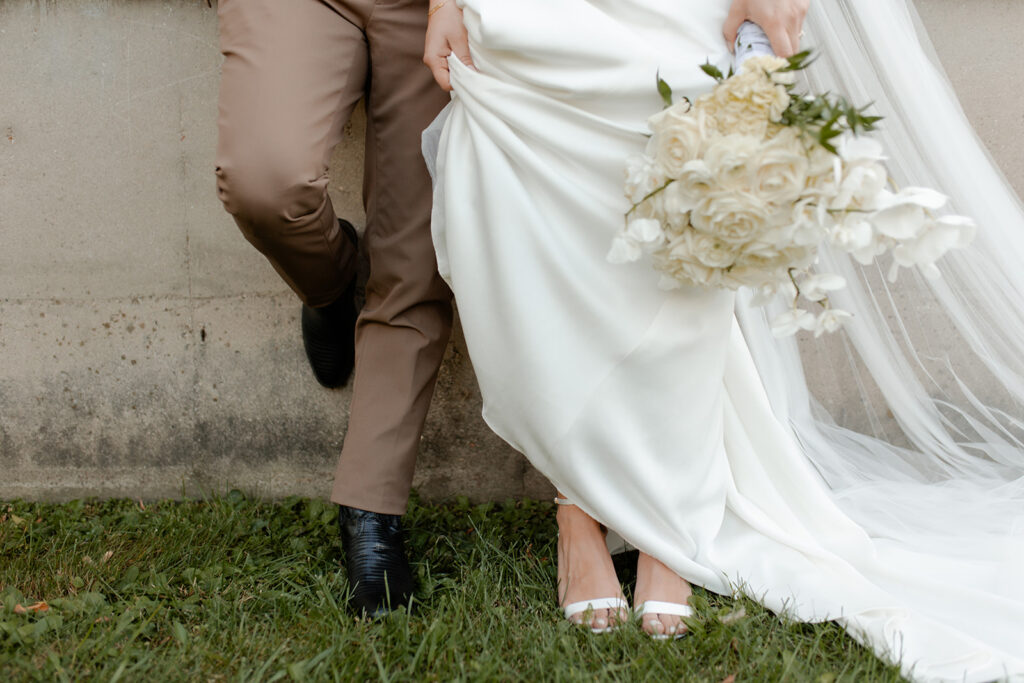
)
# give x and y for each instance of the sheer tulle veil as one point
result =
(936, 454)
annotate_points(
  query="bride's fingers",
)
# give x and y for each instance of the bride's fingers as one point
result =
(442, 76)
(460, 48)
(737, 15)
(782, 41)
(435, 56)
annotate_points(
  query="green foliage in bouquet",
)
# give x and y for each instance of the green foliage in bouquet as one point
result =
(823, 117)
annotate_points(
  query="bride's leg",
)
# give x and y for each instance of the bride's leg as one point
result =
(655, 581)
(585, 569)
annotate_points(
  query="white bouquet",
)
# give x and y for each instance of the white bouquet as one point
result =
(743, 185)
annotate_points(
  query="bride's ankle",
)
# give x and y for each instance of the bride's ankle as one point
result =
(574, 520)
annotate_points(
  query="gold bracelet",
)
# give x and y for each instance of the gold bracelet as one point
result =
(432, 11)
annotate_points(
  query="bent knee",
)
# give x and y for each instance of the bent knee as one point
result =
(266, 202)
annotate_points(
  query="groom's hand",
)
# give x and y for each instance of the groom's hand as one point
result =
(446, 35)
(782, 20)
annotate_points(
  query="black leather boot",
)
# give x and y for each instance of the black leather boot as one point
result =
(375, 560)
(328, 332)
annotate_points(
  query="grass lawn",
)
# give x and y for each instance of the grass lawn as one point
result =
(233, 588)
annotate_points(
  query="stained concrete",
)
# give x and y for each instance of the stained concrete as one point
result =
(146, 349)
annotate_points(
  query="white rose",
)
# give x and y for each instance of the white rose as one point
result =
(754, 88)
(730, 159)
(731, 116)
(780, 169)
(711, 252)
(769, 63)
(694, 182)
(678, 138)
(687, 271)
(735, 217)
(774, 262)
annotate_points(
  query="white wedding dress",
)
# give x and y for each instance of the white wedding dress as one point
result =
(646, 407)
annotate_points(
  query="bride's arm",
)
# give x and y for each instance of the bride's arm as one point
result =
(782, 20)
(446, 35)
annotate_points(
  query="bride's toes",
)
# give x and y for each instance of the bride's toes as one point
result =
(599, 619)
(594, 618)
(653, 626)
(661, 597)
(663, 625)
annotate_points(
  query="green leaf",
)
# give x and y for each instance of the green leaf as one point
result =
(713, 71)
(800, 61)
(665, 90)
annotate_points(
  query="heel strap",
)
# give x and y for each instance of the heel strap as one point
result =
(563, 501)
(596, 603)
(658, 607)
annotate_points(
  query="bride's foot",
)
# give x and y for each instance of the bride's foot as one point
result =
(657, 583)
(585, 570)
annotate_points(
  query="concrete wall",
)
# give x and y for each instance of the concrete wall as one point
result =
(145, 348)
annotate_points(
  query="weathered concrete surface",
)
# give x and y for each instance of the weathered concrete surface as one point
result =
(145, 348)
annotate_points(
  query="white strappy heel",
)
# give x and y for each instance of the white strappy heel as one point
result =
(582, 606)
(575, 608)
(672, 608)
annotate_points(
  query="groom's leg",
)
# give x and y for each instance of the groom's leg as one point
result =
(292, 74)
(404, 327)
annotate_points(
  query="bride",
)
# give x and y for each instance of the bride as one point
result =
(674, 418)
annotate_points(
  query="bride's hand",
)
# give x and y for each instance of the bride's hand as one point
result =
(782, 20)
(446, 35)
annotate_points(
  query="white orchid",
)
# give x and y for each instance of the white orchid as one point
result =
(624, 249)
(789, 323)
(853, 233)
(937, 238)
(859, 148)
(817, 287)
(642, 178)
(902, 215)
(860, 186)
(644, 230)
(830, 320)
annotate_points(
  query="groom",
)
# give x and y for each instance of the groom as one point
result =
(292, 75)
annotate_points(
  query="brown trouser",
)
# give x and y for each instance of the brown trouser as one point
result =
(293, 72)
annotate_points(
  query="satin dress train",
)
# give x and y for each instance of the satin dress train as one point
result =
(644, 406)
